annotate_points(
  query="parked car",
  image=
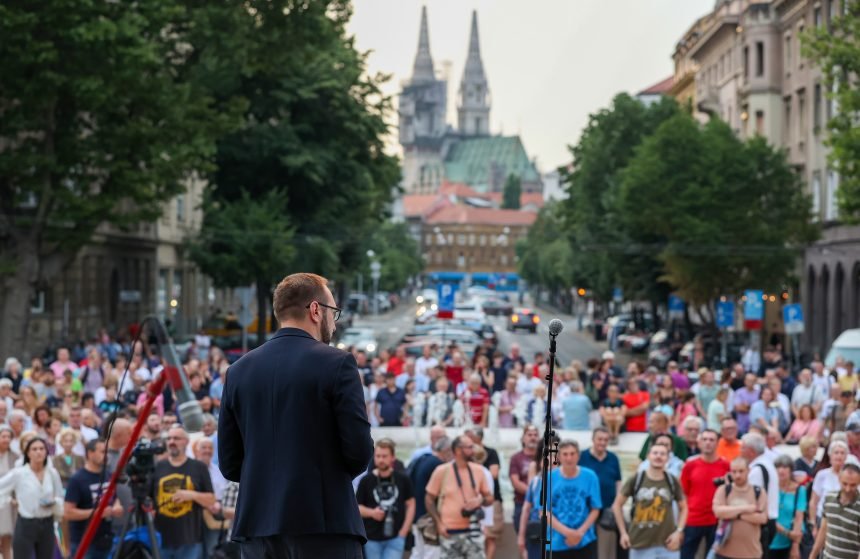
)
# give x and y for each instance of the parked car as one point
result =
(524, 319)
(358, 303)
(497, 307)
(359, 338)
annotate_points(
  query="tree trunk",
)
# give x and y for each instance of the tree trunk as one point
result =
(262, 311)
(18, 289)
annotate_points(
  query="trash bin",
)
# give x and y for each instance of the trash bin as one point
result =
(598, 331)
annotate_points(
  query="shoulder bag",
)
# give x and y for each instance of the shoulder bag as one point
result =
(425, 524)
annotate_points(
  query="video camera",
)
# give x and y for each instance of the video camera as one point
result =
(142, 462)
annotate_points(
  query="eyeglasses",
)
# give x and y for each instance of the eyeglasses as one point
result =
(336, 310)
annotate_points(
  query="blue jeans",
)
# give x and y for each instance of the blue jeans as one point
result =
(693, 536)
(385, 549)
(189, 551)
(518, 511)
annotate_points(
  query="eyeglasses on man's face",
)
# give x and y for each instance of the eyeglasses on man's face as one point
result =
(335, 310)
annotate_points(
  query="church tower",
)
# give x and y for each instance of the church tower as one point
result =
(473, 104)
(421, 111)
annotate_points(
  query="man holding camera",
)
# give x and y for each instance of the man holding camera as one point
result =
(455, 494)
(386, 505)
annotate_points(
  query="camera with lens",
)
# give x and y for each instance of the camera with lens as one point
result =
(142, 462)
(722, 480)
(475, 514)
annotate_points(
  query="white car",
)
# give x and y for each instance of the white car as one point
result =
(360, 338)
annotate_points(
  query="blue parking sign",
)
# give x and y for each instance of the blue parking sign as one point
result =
(725, 314)
(792, 316)
(446, 300)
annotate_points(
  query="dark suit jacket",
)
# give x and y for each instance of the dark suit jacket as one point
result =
(293, 431)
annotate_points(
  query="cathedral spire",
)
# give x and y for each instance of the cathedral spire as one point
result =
(473, 111)
(474, 70)
(422, 70)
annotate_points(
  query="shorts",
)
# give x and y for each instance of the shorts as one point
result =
(495, 531)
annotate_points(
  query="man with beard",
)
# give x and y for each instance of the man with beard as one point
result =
(519, 469)
(293, 429)
(181, 488)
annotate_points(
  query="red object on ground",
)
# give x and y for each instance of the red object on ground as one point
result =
(444, 314)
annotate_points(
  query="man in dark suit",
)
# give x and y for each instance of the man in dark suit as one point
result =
(293, 431)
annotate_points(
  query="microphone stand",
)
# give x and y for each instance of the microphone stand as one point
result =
(549, 441)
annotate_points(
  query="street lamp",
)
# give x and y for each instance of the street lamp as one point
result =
(375, 268)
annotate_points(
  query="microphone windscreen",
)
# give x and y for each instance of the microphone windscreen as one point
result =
(555, 327)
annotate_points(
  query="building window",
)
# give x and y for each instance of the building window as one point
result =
(483, 240)
(746, 62)
(832, 187)
(787, 52)
(759, 123)
(800, 29)
(180, 208)
(816, 108)
(759, 58)
(831, 11)
(816, 16)
(461, 239)
(832, 104)
(450, 238)
(471, 239)
(428, 239)
(801, 114)
(816, 195)
(787, 122)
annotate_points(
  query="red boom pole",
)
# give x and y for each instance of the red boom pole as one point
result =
(154, 390)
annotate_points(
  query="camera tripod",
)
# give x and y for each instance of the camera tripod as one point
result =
(142, 511)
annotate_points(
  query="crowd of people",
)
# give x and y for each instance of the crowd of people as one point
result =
(64, 424)
(710, 478)
(63, 427)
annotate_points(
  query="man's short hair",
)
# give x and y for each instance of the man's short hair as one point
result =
(387, 443)
(709, 431)
(568, 444)
(91, 445)
(457, 442)
(600, 429)
(295, 292)
(700, 423)
(442, 444)
(754, 441)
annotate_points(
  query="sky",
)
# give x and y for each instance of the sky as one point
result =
(549, 63)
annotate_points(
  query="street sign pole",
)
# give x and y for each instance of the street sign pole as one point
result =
(725, 320)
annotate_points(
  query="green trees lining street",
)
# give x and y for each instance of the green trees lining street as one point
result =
(659, 203)
(108, 109)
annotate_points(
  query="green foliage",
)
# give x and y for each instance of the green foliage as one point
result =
(511, 193)
(601, 244)
(96, 123)
(837, 52)
(313, 128)
(546, 255)
(247, 241)
(728, 214)
(398, 253)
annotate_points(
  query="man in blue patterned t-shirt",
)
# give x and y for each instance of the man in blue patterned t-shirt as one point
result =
(574, 506)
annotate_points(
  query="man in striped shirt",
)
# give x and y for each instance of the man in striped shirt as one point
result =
(840, 526)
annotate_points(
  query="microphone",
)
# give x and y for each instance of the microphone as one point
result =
(189, 409)
(555, 327)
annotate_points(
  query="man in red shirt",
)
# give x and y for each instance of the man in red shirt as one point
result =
(477, 401)
(454, 370)
(539, 360)
(697, 481)
(636, 401)
(395, 364)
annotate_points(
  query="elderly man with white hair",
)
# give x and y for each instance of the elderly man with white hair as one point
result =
(693, 426)
(17, 421)
(762, 474)
(6, 386)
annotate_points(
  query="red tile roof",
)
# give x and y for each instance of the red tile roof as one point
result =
(458, 189)
(481, 216)
(659, 87)
(415, 205)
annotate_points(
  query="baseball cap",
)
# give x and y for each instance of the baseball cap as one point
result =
(853, 426)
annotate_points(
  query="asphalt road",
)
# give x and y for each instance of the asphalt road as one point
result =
(571, 344)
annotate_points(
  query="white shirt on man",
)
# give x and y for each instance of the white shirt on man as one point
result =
(811, 395)
(424, 364)
(772, 490)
